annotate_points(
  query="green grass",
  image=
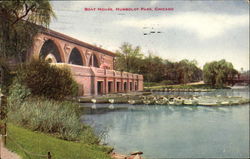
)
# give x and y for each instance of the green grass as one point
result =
(40, 143)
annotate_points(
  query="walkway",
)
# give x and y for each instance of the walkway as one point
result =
(6, 154)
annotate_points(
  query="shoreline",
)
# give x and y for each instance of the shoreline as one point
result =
(133, 155)
(149, 98)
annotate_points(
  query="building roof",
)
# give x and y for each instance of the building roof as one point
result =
(76, 41)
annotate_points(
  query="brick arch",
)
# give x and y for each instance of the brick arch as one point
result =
(77, 54)
(39, 42)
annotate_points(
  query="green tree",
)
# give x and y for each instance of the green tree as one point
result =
(217, 73)
(19, 20)
(184, 71)
(128, 58)
(154, 68)
(18, 25)
(187, 70)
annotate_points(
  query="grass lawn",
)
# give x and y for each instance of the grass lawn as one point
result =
(39, 143)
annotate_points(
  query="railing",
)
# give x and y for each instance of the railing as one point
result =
(98, 71)
(124, 74)
(130, 75)
(48, 156)
(110, 72)
(118, 73)
(81, 70)
(135, 76)
(87, 71)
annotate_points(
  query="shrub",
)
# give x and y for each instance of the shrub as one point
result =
(89, 136)
(36, 101)
(18, 93)
(167, 82)
(150, 84)
(46, 80)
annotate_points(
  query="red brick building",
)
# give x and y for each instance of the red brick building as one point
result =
(91, 66)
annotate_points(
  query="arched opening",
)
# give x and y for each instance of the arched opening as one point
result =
(50, 51)
(75, 57)
(94, 61)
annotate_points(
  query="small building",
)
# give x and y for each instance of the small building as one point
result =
(92, 67)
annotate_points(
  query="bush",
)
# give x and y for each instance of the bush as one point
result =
(46, 80)
(61, 119)
(36, 101)
(18, 93)
(167, 82)
(150, 84)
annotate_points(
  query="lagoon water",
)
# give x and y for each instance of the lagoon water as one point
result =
(175, 131)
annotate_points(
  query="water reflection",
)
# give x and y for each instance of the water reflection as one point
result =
(93, 106)
(175, 131)
(235, 91)
(111, 106)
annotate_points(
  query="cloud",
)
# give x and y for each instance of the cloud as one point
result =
(120, 4)
(203, 25)
(152, 3)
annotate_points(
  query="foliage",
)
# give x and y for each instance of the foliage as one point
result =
(18, 93)
(217, 73)
(88, 136)
(187, 71)
(5, 76)
(44, 79)
(154, 68)
(58, 118)
(167, 82)
(39, 143)
(150, 84)
(128, 58)
(18, 21)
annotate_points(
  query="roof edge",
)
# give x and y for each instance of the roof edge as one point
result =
(75, 41)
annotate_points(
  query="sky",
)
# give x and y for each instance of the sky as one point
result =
(195, 30)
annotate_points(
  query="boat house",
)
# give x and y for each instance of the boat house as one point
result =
(92, 67)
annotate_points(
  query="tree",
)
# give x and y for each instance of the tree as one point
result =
(188, 71)
(19, 22)
(217, 73)
(128, 58)
(18, 25)
(184, 71)
(154, 68)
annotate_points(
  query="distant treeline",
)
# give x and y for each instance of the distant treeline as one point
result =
(155, 69)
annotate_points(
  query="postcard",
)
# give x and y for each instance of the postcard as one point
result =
(124, 79)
